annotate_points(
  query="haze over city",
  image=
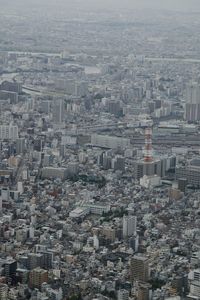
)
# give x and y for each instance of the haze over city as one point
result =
(173, 5)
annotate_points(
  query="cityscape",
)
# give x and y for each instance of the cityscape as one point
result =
(100, 150)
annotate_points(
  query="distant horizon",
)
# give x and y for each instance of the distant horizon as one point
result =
(173, 5)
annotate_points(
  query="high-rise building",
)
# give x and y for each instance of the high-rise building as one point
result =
(38, 144)
(62, 150)
(192, 106)
(139, 268)
(144, 291)
(47, 259)
(118, 163)
(109, 233)
(47, 160)
(67, 85)
(58, 111)
(20, 145)
(150, 168)
(190, 172)
(34, 260)
(81, 88)
(45, 106)
(37, 277)
(114, 107)
(159, 166)
(194, 278)
(129, 226)
(22, 276)
(3, 291)
(8, 132)
(47, 256)
(195, 260)
(12, 97)
(10, 268)
(134, 242)
(107, 161)
(182, 183)
(180, 284)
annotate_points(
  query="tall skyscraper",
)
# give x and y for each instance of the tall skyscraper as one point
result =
(192, 106)
(129, 226)
(139, 268)
(58, 111)
(20, 145)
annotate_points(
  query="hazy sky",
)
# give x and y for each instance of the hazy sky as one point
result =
(160, 4)
(180, 5)
(71, 6)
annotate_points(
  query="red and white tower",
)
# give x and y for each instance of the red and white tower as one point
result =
(148, 153)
